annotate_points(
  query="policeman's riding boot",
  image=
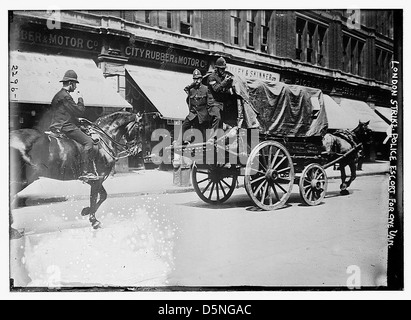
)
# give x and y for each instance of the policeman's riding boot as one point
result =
(88, 174)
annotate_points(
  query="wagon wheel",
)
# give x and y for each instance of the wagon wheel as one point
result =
(313, 184)
(269, 175)
(214, 184)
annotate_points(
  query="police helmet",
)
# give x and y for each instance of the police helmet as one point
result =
(197, 74)
(70, 75)
(220, 63)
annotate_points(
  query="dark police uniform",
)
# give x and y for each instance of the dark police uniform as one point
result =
(198, 114)
(219, 93)
(65, 114)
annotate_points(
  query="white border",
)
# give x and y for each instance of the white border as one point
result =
(209, 4)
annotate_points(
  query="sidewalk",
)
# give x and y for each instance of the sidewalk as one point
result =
(142, 182)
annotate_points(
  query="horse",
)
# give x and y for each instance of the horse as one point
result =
(57, 157)
(346, 144)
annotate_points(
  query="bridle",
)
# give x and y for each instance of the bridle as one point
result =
(130, 148)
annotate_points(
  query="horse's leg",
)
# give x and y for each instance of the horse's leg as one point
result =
(343, 186)
(353, 173)
(95, 189)
(102, 197)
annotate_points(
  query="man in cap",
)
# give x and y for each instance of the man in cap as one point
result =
(219, 87)
(65, 114)
(197, 103)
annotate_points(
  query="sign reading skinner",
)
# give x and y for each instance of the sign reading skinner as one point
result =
(249, 73)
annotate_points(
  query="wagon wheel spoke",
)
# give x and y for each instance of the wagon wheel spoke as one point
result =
(222, 188)
(211, 191)
(264, 194)
(278, 185)
(279, 163)
(257, 190)
(275, 158)
(206, 188)
(258, 179)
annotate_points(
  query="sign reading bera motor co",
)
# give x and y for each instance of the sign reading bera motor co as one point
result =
(36, 36)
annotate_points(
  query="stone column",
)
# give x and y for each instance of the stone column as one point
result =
(113, 67)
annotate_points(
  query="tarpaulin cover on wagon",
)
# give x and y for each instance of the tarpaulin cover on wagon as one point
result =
(284, 110)
(360, 111)
(35, 79)
(163, 89)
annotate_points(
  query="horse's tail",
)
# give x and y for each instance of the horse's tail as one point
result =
(23, 140)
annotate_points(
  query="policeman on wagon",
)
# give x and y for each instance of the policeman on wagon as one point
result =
(219, 86)
(198, 117)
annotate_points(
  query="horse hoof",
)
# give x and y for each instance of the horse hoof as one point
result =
(344, 192)
(96, 225)
(85, 212)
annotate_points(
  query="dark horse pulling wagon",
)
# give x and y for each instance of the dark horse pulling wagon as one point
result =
(282, 144)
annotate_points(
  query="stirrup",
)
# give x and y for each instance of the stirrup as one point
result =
(89, 176)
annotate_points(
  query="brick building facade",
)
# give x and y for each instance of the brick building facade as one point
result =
(344, 53)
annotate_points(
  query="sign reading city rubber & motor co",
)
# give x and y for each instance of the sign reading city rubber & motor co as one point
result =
(164, 57)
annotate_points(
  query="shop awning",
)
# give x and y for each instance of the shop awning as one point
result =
(362, 112)
(36, 77)
(337, 117)
(164, 89)
(384, 113)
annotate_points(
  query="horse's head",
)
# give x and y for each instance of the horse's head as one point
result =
(363, 133)
(134, 134)
(125, 125)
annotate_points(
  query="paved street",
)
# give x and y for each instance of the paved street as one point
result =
(177, 240)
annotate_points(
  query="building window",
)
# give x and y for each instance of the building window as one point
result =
(235, 26)
(383, 70)
(165, 19)
(310, 43)
(299, 39)
(186, 22)
(320, 46)
(251, 14)
(353, 55)
(385, 23)
(169, 19)
(265, 20)
(147, 14)
(142, 16)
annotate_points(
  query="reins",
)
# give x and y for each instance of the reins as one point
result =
(127, 152)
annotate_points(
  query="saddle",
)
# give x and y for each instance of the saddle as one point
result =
(87, 130)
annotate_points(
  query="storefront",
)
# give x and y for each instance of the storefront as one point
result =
(38, 59)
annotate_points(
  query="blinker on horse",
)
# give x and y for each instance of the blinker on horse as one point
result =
(345, 146)
(58, 157)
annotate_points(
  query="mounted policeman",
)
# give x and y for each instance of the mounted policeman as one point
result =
(64, 120)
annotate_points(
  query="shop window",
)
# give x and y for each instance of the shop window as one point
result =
(235, 26)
